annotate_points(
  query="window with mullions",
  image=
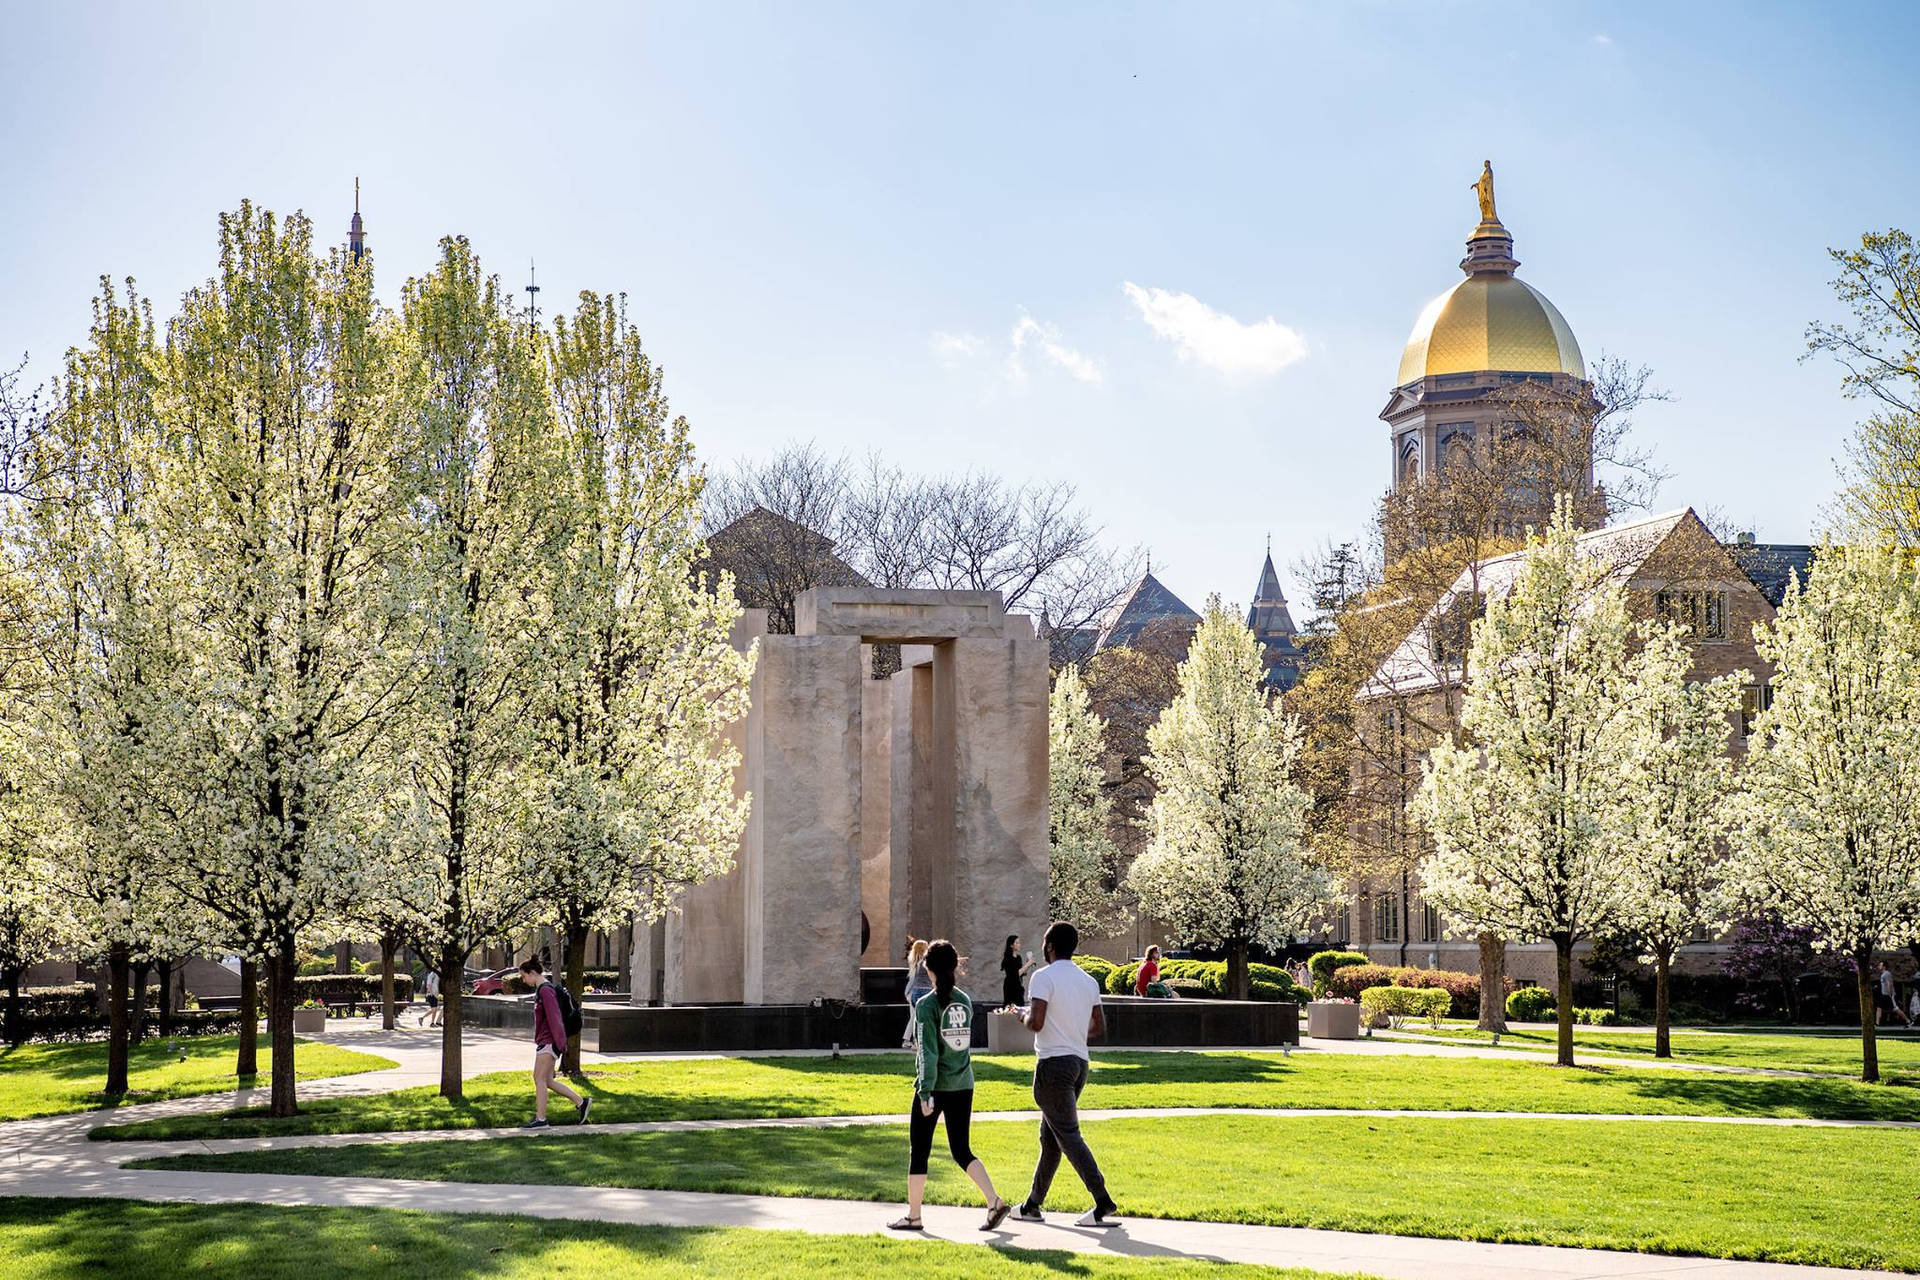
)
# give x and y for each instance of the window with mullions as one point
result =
(1386, 918)
(1754, 699)
(1430, 921)
(1702, 612)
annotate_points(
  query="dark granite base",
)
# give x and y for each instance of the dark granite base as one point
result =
(1131, 1024)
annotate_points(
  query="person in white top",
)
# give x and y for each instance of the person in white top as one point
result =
(430, 990)
(1063, 1013)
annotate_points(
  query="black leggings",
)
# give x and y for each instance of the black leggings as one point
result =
(957, 1104)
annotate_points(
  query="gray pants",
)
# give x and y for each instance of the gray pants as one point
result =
(1057, 1083)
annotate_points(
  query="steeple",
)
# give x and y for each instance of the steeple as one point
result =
(356, 230)
(1272, 625)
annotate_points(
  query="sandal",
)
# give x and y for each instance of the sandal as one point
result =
(997, 1215)
(906, 1224)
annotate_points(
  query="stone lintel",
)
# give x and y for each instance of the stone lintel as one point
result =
(880, 616)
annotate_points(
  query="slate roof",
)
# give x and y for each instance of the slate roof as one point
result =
(1272, 625)
(1412, 666)
(1146, 602)
(1772, 564)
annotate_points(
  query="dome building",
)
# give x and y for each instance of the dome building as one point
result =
(1471, 344)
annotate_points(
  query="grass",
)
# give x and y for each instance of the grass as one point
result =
(66, 1239)
(1836, 1197)
(1833, 1051)
(746, 1088)
(58, 1079)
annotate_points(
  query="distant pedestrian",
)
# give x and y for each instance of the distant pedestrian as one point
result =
(943, 1085)
(549, 1042)
(1884, 1001)
(1063, 1015)
(1913, 1005)
(1147, 977)
(430, 991)
(1014, 966)
(918, 984)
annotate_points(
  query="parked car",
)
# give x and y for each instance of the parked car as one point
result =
(492, 984)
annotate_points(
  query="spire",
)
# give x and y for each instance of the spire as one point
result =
(1268, 617)
(1490, 247)
(533, 299)
(356, 230)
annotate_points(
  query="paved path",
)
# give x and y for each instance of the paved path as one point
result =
(52, 1157)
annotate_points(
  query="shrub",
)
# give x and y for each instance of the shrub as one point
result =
(1187, 988)
(1120, 980)
(1263, 990)
(1397, 1004)
(1202, 978)
(1349, 981)
(76, 999)
(1321, 965)
(1596, 1017)
(1530, 1004)
(348, 988)
(1098, 967)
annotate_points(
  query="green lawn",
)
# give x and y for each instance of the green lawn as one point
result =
(56, 1079)
(1838, 1197)
(1829, 1050)
(65, 1239)
(740, 1088)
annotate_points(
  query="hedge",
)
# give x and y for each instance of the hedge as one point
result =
(1348, 981)
(1321, 964)
(1266, 981)
(1530, 1004)
(1596, 1017)
(346, 988)
(1397, 1004)
(91, 1026)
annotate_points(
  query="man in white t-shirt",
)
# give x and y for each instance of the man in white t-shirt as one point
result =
(1063, 1012)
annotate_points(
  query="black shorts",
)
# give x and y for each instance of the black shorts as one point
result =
(433, 1001)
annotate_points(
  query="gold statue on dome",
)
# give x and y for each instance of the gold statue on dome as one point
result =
(1484, 189)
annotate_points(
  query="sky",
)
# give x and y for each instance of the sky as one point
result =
(1166, 252)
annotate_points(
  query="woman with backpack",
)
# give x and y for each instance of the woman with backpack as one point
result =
(549, 1042)
(943, 1085)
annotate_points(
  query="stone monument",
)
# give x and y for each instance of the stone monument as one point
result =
(916, 803)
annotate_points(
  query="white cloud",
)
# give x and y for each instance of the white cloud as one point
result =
(1216, 339)
(1601, 37)
(952, 348)
(1046, 338)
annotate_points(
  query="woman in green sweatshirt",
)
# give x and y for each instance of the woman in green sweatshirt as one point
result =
(943, 1084)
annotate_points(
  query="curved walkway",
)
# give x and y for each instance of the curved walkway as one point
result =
(53, 1157)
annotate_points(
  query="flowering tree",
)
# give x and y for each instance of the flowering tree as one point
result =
(1828, 820)
(1226, 864)
(1526, 816)
(1674, 815)
(458, 863)
(641, 676)
(1082, 856)
(279, 511)
(89, 723)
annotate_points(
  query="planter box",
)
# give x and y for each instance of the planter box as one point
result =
(1332, 1020)
(1006, 1033)
(309, 1022)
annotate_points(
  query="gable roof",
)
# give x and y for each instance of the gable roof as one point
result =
(1623, 548)
(1146, 602)
(1772, 565)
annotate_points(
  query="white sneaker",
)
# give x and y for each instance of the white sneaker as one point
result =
(1097, 1217)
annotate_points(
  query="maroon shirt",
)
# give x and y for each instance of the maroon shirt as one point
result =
(549, 1028)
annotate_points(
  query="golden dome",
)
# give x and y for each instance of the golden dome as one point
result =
(1490, 320)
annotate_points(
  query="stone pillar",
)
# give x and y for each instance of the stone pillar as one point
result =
(706, 935)
(876, 813)
(996, 869)
(802, 863)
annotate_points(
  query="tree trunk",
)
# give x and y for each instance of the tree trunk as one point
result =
(388, 945)
(1563, 999)
(1493, 983)
(343, 956)
(1239, 985)
(140, 972)
(1863, 981)
(1662, 970)
(577, 984)
(165, 968)
(117, 964)
(281, 968)
(247, 1062)
(14, 1031)
(450, 966)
